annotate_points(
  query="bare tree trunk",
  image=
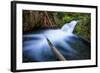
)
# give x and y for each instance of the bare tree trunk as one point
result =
(48, 18)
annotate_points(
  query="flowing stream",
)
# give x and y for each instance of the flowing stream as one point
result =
(37, 49)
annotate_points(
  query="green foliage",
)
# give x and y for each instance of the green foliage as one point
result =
(38, 19)
(82, 29)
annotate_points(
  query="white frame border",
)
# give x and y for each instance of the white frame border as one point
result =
(21, 66)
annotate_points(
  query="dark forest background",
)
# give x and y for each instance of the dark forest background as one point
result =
(36, 20)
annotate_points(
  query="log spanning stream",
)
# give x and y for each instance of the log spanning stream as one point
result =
(54, 45)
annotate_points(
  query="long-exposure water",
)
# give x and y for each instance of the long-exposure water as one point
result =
(37, 49)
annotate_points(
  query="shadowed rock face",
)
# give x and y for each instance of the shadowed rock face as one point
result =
(37, 49)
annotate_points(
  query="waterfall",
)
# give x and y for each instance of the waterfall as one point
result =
(69, 27)
(40, 46)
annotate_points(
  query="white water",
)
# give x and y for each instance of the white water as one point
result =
(69, 27)
(36, 47)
